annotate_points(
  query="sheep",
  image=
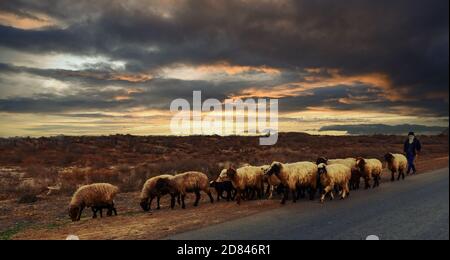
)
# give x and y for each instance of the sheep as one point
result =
(245, 178)
(181, 184)
(149, 192)
(349, 162)
(295, 176)
(396, 163)
(334, 174)
(95, 196)
(223, 186)
(370, 168)
(272, 183)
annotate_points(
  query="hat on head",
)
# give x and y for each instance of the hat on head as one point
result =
(411, 133)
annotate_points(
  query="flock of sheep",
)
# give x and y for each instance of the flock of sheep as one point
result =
(295, 179)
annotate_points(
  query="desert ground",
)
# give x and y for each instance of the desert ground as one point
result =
(29, 166)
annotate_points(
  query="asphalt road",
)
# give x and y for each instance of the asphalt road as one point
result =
(417, 208)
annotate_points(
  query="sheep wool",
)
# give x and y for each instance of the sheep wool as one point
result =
(370, 169)
(92, 196)
(149, 192)
(294, 176)
(396, 163)
(335, 174)
(248, 177)
(189, 182)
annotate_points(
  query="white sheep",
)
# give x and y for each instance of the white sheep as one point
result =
(349, 162)
(334, 175)
(95, 196)
(397, 163)
(245, 179)
(295, 176)
(370, 169)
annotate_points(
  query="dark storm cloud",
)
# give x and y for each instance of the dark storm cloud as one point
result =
(406, 39)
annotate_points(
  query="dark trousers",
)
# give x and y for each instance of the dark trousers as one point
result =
(411, 160)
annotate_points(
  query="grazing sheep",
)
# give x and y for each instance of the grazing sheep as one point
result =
(397, 163)
(334, 174)
(223, 186)
(95, 196)
(181, 184)
(245, 179)
(349, 162)
(370, 169)
(149, 192)
(295, 176)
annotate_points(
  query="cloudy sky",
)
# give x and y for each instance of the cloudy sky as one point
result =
(105, 67)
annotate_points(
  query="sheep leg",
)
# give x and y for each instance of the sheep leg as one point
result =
(80, 212)
(376, 182)
(327, 190)
(101, 212)
(197, 198)
(238, 196)
(286, 195)
(367, 182)
(268, 190)
(270, 194)
(172, 201)
(183, 197)
(210, 195)
(158, 200)
(393, 176)
(403, 174)
(94, 212)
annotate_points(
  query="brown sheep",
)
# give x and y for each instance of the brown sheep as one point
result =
(94, 196)
(181, 184)
(149, 192)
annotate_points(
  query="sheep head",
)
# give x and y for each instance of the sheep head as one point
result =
(322, 160)
(389, 157)
(275, 168)
(361, 164)
(231, 173)
(73, 213)
(322, 169)
(144, 204)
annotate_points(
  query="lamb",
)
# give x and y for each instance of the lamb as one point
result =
(334, 174)
(181, 184)
(95, 196)
(149, 192)
(223, 186)
(349, 162)
(397, 163)
(295, 176)
(370, 168)
(245, 179)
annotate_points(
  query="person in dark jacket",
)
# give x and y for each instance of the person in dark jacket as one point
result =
(412, 148)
